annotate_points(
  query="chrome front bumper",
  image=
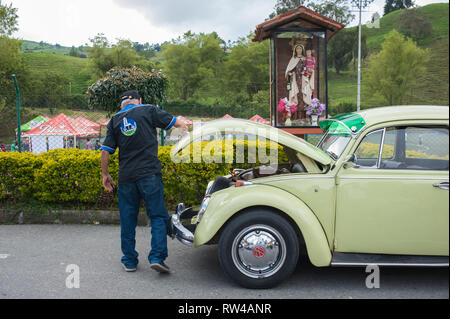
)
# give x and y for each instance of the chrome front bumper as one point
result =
(184, 232)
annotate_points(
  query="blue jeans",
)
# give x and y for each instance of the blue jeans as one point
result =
(151, 190)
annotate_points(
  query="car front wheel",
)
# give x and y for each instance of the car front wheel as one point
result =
(258, 249)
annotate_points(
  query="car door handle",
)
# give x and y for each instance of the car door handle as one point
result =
(443, 185)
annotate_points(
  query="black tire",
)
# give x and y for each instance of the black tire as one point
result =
(268, 264)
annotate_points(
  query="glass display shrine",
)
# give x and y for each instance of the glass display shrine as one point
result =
(298, 68)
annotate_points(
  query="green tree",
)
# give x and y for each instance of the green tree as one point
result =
(8, 20)
(337, 10)
(393, 5)
(104, 56)
(10, 63)
(74, 52)
(144, 50)
(247, 68)
(45, 90)
(340, 50)
(394, 70)
(10, 58)
(123, 54)
(100, 62)
(192, 63)
(7, 119)
(10, 49)
(283, 6)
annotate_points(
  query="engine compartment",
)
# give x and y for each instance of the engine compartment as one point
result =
(222, 182)
(270, 170)
(297, 164)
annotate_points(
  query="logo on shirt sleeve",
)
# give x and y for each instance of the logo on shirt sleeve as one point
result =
(128, 127)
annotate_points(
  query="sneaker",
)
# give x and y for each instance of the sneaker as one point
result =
(128, 268)
(160, 267)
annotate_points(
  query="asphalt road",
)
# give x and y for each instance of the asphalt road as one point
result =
(34, 260)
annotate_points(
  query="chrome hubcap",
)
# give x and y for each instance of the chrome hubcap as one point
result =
(259, 251)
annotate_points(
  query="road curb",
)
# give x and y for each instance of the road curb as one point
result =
(97, 217)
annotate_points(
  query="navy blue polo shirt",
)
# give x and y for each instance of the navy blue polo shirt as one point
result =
(133, 131)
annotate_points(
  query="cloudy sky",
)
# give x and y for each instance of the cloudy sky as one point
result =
(73, 22)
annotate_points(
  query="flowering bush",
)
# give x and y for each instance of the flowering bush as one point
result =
(315, 108)
(286, 107)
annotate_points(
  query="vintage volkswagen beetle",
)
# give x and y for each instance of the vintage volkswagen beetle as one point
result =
(373, 191)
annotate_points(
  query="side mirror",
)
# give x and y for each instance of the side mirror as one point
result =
(350, 161)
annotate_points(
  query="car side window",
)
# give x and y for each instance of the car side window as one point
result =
(416, 148)
(368, 150)
(390, 159)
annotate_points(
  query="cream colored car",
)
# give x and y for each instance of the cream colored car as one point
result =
(373, 191)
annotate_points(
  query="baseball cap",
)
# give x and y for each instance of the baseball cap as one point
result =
(130, 95)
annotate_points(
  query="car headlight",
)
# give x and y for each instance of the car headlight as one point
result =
(203, 208)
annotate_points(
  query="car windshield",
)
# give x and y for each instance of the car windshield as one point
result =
(334, 144)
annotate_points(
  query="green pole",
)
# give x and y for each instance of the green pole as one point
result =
(19, 133)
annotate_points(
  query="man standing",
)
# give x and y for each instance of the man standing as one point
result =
(133, 131)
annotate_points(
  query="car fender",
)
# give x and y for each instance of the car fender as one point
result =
(224, 204)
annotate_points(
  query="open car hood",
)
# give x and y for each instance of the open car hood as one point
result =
(236, 126)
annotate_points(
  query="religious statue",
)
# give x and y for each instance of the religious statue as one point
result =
(300, 77)
(294, 74)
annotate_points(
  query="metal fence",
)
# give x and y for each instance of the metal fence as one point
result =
(43, 130)
(45, 133)
(81, 129)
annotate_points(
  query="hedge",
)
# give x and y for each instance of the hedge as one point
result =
(74, 176)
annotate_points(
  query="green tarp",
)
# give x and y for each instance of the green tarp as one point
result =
(32, 124)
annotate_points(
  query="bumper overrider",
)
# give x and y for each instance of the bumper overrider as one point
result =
(179, 228)
(183, 223)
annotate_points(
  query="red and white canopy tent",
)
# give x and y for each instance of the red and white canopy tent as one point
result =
(227, 116)
(55, 132)
(88, 123)
(84, 126)
(259, 119)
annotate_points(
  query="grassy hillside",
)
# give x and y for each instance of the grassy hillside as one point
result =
(431, 87)
(75, 69)
(42, 47)
(437, 13)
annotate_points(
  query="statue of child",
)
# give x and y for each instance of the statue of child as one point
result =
(310, 63)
